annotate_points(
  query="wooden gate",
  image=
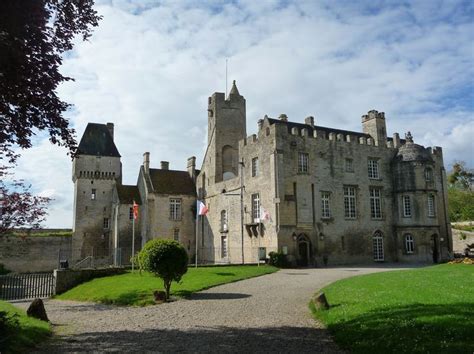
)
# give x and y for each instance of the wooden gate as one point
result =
(27, 286)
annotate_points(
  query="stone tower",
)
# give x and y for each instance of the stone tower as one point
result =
(96, 170)
(373, 123)
(226, 126)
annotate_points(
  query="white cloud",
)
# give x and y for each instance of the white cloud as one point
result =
(150, 66)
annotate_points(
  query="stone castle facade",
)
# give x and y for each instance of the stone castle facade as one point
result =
(319, 195)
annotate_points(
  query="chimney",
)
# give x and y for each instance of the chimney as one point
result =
(165, 165)
(309, 121)
(110, 127)
(146, 162)
(192, 167)
(283, 117)
(396, 140)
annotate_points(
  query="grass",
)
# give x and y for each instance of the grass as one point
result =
(137, 290)
(29, 332)
(411, 311)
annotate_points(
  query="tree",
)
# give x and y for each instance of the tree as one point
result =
(460, 193)
(34, 34)
(460, 177)
(166, 259)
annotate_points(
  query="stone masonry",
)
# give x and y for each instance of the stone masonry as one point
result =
(318, 194)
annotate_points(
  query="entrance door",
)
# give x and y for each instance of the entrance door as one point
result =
(303, 251)
(378, 247)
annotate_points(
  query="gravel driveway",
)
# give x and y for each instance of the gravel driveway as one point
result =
(265, 314)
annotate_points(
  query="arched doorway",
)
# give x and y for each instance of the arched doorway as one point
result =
(435, 248)
(377, 242)
(304, 250)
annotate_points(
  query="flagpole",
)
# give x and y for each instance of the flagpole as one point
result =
(197, 227)
(133, 242)
(258, 252)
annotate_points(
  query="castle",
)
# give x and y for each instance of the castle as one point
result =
(319, 195)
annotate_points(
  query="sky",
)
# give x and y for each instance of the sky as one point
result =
(150, 66)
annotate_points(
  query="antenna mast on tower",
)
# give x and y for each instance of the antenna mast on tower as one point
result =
(226, 77)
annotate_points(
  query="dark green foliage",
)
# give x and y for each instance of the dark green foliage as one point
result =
(460, 204)
(8, 326)
(3, 270)
(166, 259)
(278, 259)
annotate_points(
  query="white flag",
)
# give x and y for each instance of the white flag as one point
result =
(264, 215)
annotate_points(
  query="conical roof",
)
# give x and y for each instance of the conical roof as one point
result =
(234, 90)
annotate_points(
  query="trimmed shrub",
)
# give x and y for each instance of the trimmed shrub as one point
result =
(166, 259)
(278, 259)
(3, 270)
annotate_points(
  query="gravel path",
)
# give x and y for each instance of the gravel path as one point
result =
(265, 314)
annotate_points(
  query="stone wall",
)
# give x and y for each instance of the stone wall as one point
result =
(33, 254)
(68, 278)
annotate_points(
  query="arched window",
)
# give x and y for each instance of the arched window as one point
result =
(224, 225)
(377, 241)
(428, 174)
(229, 162)
(409, 244)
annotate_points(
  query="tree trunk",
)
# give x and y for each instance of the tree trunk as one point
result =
(167, 288)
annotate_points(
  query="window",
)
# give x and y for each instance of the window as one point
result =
(262, 253)
(106, 223)
(428, 174)
(375, 203)
(373, 168)
(349, 165)
(94, 194)
(377, 242)
(175, 209)
(303, 161)
(255, 167)
(223, 246)
(325, 206)
(176, 234)
(431, 205)
(256, 207)
(409, 244)
(406, 206)
(130, 213)
(349, 203)
(224, 221)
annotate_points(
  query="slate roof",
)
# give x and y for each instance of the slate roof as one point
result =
(97, 141)
(310, 129)
(128, 194)
(172, 182)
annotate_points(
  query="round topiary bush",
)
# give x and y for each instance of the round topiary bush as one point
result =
(167, 259)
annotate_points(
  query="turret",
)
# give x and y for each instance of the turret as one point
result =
(226, 127)
(373, 123)
(96, 170)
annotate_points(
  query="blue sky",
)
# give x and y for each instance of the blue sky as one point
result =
(150, 66)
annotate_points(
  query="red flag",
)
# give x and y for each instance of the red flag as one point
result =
(135, 210)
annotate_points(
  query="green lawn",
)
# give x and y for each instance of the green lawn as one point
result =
(29, 332)
(423, 310)
(136, 289)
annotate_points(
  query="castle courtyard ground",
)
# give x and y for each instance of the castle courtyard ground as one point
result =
(265, 314)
